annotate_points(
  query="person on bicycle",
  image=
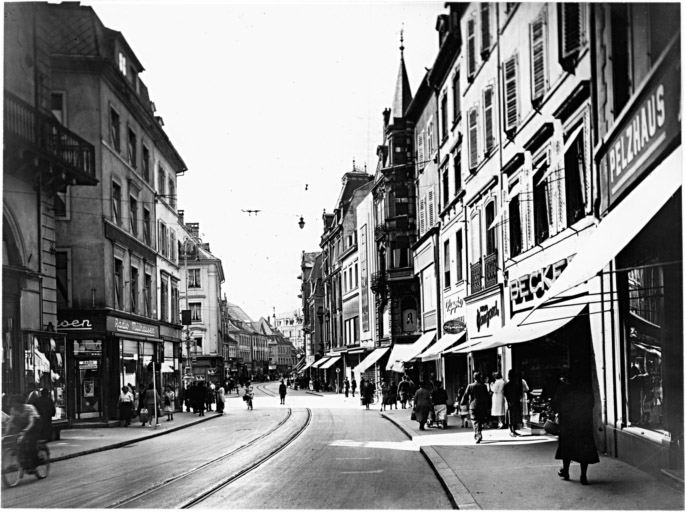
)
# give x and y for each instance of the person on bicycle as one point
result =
(25, 421)
(249, 394)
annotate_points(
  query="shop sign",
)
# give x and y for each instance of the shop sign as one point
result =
(455, 314)
(409, 320)
(75, 325)
(527, 290)
(484, 316)
(454, 326)
(649, 127)
(131, 327)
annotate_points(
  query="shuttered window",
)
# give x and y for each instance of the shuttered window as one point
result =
(571, 29)
(422, 215)
(419, 149)
(515, 232)
(471, 48)
(511, 114)
(473, 138)
(487, 120)
(431, 209)
(538, 57)
(485, 30)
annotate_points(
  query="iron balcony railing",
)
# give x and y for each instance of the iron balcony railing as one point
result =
(476, 276)
(490, 262)
(48, 137)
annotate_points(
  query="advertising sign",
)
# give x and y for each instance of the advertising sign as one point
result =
(484, 316)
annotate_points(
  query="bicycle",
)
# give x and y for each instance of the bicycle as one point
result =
(14, 463)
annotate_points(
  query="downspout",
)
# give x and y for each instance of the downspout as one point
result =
(501, 165)
(613, 355)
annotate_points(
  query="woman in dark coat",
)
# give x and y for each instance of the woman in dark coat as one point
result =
(477, 398)
(367, 392)
(512, 394)
(574, 403)
(422, 405)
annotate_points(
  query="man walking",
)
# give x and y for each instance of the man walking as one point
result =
(354, 385)
(478, 400)
(282, 390)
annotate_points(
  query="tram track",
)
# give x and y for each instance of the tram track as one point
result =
(195, 478)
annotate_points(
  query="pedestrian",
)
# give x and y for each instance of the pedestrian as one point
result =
(392, 396)
(354, 386)
(412, 390)
(477, 398)
(403, 390)
(422, 405)
(282, 390)
(46, 409)
(367, 393)
(439, 399)
(463, 409)
(249, 395)
(151, 401)
(209, 397)
(497, 410)
(385, 394)
(220, 400)
(574, 404)
(512, 394)
(525, 413)
(346, 385)
(169, 402)
(200, 398)
(311, 385)
(125, 406)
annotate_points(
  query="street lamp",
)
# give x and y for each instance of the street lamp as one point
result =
(301, 222)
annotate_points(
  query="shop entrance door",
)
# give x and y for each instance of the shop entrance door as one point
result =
(88, 391)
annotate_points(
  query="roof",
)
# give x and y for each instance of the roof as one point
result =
(402, 91)
(237, 313)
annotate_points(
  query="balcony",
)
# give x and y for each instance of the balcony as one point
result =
(380, 232)
(476, 276)
(39, 132)
(377, 282)
(490, 262)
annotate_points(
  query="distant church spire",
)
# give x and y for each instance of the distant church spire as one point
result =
(403, 94)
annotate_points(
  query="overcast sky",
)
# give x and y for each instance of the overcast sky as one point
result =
(263, 100)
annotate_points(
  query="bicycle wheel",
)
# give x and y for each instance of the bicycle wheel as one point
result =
(43, 466)
(11, 468)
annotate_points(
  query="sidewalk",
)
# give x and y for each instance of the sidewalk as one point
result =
(520, 473)
(75, 442)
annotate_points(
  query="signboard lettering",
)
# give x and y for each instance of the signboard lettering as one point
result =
(132, 327)
(75, 325)
(486, 313)
(528, 288)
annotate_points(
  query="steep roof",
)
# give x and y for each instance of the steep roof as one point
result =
(402, 90)
(236, 312)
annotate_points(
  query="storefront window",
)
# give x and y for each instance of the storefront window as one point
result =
(44, 368)
(644, 347)
(129, 351)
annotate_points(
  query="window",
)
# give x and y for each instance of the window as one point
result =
(62, 278)
(511, 111)
(146, 226)
(196, 311)
(162, 241)
(515, 231)
(175, 317)
(485, 30)
(132, 149)
(164, 299)
(447, 265)
(431, 209)
(538, 58)
(571, 33)
(574, 177)
(419, 150)
(118, 284)
(443, 113)
(147, 296)
(445, 187)
(122, 63)
(116, 203)
(540, 200)
(60, 200)
(620, 54)
(133, 215)
(430, 146)
(473, 138)
(134, 290)
(146, 163)
(173, 246)
(488, 128)
(456, 99)
(356, 275)
(460, 256)
(471, 48)
(456, 161)
(194, 278)
(57, 100)
(490, 233)
(171, 198)
(114, 129)
(161, 181)
(422, 215)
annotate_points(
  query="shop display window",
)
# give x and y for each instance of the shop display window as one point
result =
(44, 368)
(644, 347)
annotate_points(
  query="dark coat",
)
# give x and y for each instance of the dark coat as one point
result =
(478, 399)
(439, 396)
(512, 394)
(46, 408)
(576, 432)
(422, 404)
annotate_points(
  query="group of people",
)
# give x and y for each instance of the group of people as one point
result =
(430, 406)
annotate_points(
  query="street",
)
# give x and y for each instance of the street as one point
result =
(370, 462)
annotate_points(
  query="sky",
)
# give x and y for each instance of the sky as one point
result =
(269, 104)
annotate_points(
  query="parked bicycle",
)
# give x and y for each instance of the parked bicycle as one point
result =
(14, 463)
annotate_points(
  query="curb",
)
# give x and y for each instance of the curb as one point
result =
(130, 441)
(457, 493)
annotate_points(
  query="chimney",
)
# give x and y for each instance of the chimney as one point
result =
(180, 216)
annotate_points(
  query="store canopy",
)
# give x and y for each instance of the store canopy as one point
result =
(317, 364)
(622, 224)
(329, 363)
(406, 352)
(443, 344)
(469, 346)
(370, 360)
(305, 367)
(357, 351)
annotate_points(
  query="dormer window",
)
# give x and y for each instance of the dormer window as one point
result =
(122, 64)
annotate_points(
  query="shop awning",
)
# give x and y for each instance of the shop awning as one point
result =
(370, 360)
(300, 364)
(305, 367)
(317, 364)
(442, 344)
(468, 346)
(406, 352)
(540, 322)
(329, 363)
(622, 224)
(357, 351)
